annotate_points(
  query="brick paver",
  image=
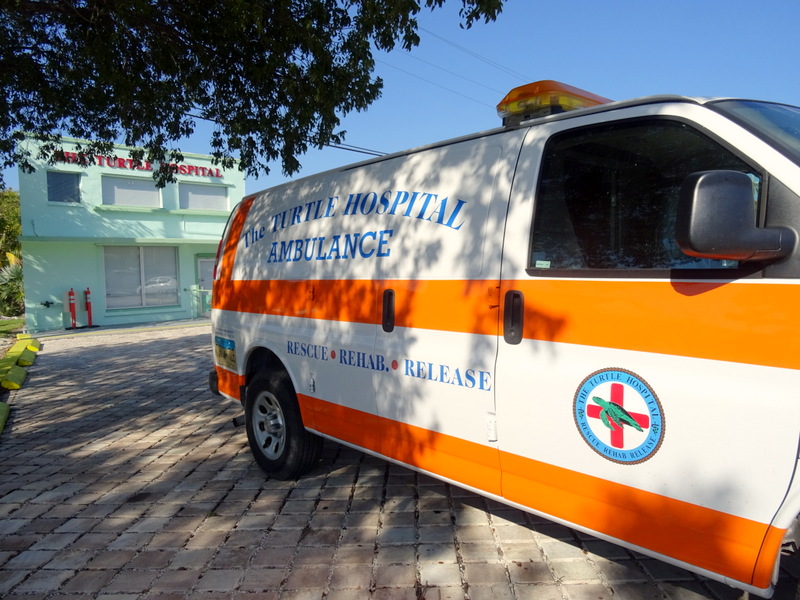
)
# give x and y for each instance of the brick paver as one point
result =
(123, 478)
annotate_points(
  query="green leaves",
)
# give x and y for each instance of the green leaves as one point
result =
(275, 77)
(10, 226)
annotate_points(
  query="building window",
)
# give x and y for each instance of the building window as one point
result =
(203, 197)
(126, 191)
(63, 187)
(141, 276)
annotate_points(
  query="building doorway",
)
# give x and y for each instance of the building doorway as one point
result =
(205, 279)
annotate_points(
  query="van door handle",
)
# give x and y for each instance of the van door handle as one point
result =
(387, 319)
(513, 315)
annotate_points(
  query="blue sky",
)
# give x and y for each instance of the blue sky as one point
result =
(451, 83)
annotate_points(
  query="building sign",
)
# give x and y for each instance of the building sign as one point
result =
(130, 164)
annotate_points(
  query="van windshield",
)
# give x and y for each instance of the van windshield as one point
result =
(776, 124)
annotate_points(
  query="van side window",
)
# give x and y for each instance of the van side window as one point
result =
(607, 196)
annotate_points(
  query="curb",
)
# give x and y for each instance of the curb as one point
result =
(13, 366)
(4, 410)
(14, 369)
(133, 328)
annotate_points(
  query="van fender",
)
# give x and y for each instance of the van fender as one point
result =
(784, 531)
(260, 359)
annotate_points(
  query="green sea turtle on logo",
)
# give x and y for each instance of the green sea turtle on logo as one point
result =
(613, 412)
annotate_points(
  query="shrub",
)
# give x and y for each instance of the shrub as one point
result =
(12, 294)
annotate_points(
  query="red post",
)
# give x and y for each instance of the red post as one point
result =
(72, 308)
(88, 296)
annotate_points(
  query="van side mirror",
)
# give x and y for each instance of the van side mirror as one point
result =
(716, 218)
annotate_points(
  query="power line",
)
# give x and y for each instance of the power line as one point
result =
(356, 149)
(471, 53)
(475, 55)
(434, 83)
(341, 146)
(435, 66)
(490, 62)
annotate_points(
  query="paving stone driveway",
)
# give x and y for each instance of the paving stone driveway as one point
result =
(123, 478)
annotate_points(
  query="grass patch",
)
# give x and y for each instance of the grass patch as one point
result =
(11, 327)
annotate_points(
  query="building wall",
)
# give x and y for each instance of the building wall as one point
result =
(94, 243)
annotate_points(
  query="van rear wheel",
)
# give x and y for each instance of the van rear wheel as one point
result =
(278, 440)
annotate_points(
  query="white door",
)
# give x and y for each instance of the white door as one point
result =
(436, 395)
(205, 278)
(627, 369)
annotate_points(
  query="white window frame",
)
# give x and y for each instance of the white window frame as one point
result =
(201, 196)
(130, 191)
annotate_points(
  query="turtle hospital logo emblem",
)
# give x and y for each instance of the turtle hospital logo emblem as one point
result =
(619, 416)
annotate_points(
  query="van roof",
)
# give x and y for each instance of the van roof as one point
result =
(611, 106)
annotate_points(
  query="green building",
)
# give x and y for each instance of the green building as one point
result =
(138, 253)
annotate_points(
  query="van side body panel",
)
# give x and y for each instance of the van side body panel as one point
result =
(313, 260)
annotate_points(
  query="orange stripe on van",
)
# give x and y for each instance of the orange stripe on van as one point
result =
(441, 305)
(234, 233)
(346, 424)
(229, 382)
(712, 540)
(735, 547)
(448, 456)
(739, 322)
(351, 301)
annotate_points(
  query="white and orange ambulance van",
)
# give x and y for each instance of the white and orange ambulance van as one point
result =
(588, 313)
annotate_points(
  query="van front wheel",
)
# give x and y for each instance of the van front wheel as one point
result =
(278, 440)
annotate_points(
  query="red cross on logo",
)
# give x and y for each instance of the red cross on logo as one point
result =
(617, 432)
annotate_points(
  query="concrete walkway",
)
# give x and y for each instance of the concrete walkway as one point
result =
(123, 478)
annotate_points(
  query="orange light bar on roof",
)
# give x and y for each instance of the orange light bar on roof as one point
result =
(544, 98)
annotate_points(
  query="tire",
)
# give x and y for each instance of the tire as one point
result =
(278, 440)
